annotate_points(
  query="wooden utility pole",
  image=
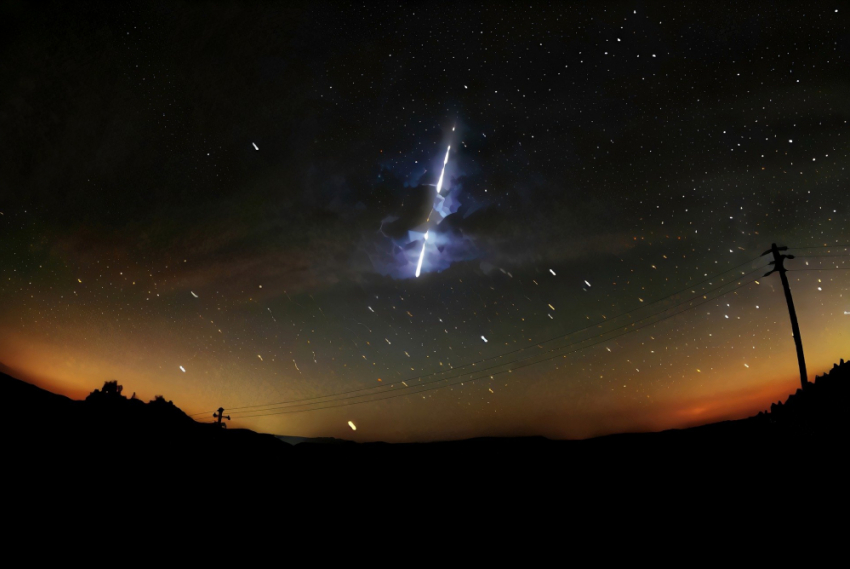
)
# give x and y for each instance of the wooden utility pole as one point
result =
(779, 267)
(220, 415)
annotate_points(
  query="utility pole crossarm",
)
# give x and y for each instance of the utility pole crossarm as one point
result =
(778, 263)
(220, 415)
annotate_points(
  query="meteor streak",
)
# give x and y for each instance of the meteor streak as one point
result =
(439, 189)
(421, 256)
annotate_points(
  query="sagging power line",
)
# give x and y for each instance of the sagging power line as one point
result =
(457, 379)
(605, 322)
(358, 396)
(411, 389)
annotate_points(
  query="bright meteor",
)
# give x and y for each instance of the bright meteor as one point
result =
(421, 256)
(439, 188)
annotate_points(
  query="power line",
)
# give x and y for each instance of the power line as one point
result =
(536, 344)
(819, 247)
(432, 386)
(817, 269)
(556, 349)
(304, 402)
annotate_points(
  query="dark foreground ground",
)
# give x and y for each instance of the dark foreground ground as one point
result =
(113, 452)
(111, 431)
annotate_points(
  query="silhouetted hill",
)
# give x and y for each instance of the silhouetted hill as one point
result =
(819, 410)
(110, 430)
(314, 440)
(6, 369)
(806, 431)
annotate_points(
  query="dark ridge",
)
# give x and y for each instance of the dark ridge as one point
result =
(818, 409)
(110, 430)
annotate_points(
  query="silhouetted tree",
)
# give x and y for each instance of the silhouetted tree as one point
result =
(111, 388)
(110, 391)
(160, 402)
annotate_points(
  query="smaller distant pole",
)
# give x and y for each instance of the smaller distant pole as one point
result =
(779, 267)
(220, 415)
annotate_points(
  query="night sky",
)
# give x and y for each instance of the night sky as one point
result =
(225, 204)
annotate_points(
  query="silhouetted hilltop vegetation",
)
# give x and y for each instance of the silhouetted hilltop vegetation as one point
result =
(818, 410)
(108, 405)
(108, 428)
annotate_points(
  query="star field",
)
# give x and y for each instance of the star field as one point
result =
(225, 204)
